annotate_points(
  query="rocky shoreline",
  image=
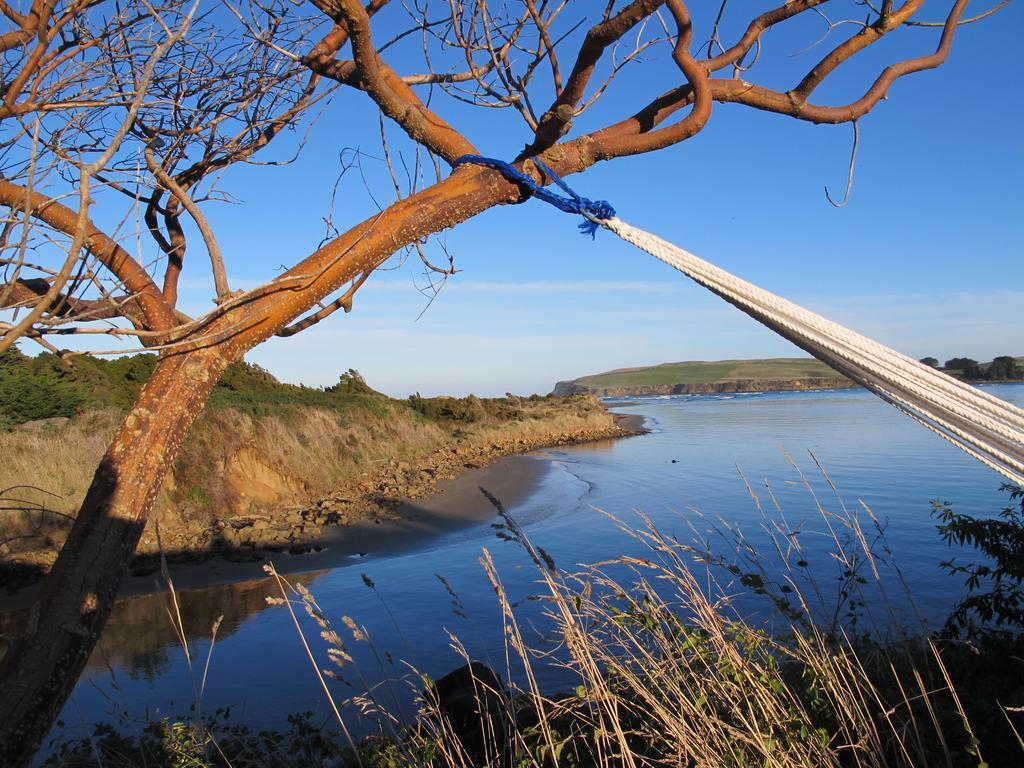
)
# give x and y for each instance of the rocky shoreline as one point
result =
(566, 388)
(374, 497)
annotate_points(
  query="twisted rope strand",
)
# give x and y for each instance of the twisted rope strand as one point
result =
(982, 425)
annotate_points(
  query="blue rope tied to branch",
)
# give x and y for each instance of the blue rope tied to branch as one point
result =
(592, 210)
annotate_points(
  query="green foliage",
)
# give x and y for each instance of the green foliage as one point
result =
(251, 389)
(46, 386)
(1003, 367)
(996, 587)
(247, 377)
(465, 409)
(965, 365)
(930, 361)
(215, 743)
(351, 383)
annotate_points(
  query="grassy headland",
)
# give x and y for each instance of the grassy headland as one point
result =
(266, 465)
(693, 377)
(769, 375)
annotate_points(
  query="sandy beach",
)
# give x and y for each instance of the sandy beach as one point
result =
(631, 422)
(458, 503)
(455, 504)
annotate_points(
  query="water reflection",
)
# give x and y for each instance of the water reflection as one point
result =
(140, 638)
(689, 461)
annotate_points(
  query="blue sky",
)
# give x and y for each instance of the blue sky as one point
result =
(926, 257)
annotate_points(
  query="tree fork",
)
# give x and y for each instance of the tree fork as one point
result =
(40, 669)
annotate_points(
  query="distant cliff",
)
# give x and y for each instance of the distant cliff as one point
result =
(565, 388)
(699, 377)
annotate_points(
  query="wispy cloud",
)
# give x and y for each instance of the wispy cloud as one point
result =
(492, 337)
(534, 287)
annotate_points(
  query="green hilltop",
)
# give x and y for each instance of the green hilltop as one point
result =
(701, 372)
(47, 386)
(772, 374)
(709, 376)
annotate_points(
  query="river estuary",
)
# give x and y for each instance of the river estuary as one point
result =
(684, 474)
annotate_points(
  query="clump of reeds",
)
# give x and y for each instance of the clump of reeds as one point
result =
(669, 672)
(669, 667)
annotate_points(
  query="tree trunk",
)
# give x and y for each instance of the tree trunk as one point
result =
(39, 671)
(41, 668)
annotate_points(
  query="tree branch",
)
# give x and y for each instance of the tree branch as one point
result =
(158, 314)
(739, 92)
(555, 122)
(220, 277)
(610, 144)
(395, 98)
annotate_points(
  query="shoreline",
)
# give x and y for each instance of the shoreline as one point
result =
(629, 422)
(742, 386)
(723, 386)
(451, 502)
(456, 505)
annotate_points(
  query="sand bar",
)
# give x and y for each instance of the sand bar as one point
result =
(457, 504)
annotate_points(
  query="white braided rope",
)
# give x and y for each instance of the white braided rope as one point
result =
(986, 427)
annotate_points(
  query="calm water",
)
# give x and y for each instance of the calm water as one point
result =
(690, 461)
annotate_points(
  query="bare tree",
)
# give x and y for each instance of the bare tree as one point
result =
(127, 118)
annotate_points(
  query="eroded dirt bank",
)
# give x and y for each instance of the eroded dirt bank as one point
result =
(248, 484)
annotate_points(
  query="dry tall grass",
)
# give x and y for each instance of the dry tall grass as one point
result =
(59, 460)
(669, 672)
(235, 464)
(296, 455)
(230, 463)
(315, 448)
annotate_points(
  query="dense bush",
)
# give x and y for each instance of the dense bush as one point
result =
(46, 386)
(995, 601)
(468, 409)
(1002, 368)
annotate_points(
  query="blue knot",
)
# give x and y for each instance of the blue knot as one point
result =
(592, 210)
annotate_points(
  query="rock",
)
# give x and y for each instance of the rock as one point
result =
(474, 701)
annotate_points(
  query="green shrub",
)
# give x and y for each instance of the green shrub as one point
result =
(467, 409)
(996, 588)
(46, 386)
